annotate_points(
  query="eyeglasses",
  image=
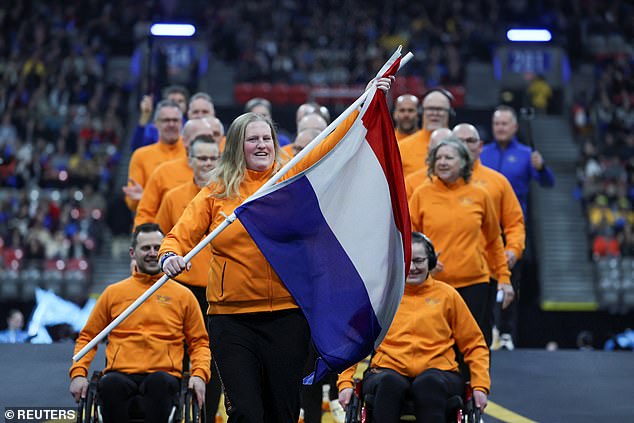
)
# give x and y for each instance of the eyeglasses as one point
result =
(205, 158)
(437, 110)
(169, 120)
(470, 140)
(419, 261)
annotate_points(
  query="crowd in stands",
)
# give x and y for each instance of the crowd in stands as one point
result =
(61, 126)
(605, 129)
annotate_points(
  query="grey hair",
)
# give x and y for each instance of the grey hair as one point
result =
(466, 162)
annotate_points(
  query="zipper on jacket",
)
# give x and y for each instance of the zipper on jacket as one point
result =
(222, 279)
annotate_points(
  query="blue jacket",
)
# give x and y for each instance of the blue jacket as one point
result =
(143, 135)
(14, 336)
(515, 164)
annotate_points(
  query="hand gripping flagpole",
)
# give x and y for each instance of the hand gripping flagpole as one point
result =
(231, 218)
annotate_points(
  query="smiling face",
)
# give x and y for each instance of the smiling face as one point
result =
(419, 266)
(145, 252)
(203, 159)
(448, 164)
(259, 147)
(169, 122)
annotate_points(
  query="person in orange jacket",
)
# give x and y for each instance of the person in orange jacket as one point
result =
(418, 356)
(174, 172)
(507, 206)
(416, 179)
(405, 116)
(144, 354)
(203, 156)
(168, 119)
(258, 335)
(436, 114)
(455, 214)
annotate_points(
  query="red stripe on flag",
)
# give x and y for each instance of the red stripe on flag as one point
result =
(382, 140)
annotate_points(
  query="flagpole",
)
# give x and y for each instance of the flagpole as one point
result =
(231, 218)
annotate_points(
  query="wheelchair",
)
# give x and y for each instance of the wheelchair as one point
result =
(185, 409)
(460, 409)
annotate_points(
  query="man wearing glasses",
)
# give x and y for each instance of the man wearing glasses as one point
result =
(169, 121)
(436, 113)
(175, 172)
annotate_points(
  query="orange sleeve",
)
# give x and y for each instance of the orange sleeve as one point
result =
(494, 244)
(416, 210)
(471, 343)
(190, 227)
(324, 147)
(135, 172)
(345, 379)
(164, 214)
(150, 201)
(512, 220)
(197, 339)
(99, 318)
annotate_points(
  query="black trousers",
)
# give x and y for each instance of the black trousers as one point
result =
(429, 391)
(260, 359)
(480, 298)
(158, 392)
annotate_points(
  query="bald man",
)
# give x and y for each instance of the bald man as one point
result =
(506, 204)
(312, 121)
(419, 177)
(509, 211)
(405, 116)
(436, 112)
(175, 172)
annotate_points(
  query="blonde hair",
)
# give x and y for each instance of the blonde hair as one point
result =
(230, 171)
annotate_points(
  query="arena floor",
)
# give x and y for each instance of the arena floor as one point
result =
(528, 385)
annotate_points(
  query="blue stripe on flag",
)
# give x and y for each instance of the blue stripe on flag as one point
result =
(305, 253)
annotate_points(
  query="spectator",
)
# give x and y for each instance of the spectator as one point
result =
(14, 334)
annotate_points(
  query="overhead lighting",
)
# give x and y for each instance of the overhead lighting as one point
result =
(172, 30)
(529, 35)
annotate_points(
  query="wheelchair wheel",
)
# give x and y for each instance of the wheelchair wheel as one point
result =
(87, 410)
(191, 409)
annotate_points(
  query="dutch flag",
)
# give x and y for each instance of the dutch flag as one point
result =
(338, 236)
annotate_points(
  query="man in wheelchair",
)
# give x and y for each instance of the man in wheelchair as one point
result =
(144, 354)
(417, 358)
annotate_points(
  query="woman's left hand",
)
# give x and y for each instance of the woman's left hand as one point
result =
(382, 84)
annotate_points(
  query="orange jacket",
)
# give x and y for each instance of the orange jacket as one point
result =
(454, 217)
(414, 151)
(414, 180)
(400, 135)
(430, 320)
(165, 177)
(172, 206)
(240, 280)
(507, 206)
(150, 339)
(145, 159)
(288, 149)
